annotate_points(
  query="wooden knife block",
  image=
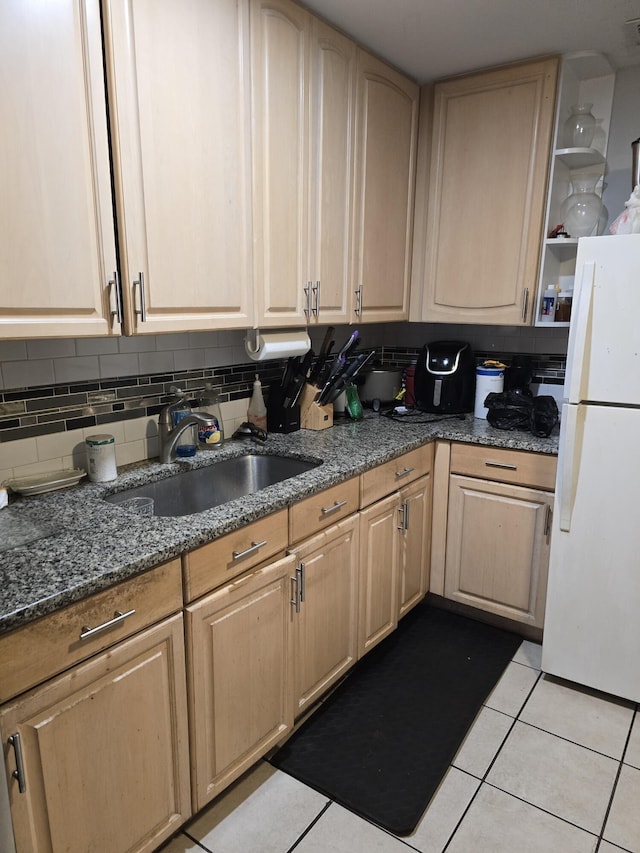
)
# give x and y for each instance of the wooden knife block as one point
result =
(313, 416)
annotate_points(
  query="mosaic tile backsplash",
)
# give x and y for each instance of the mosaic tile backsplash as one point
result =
(43, 426)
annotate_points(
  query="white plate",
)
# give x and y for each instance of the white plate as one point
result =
(48, 482)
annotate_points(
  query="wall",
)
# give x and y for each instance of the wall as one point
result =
(56, 392)
(625, 127)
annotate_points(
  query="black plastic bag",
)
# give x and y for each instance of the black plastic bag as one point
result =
(509, 410)
(544, 415)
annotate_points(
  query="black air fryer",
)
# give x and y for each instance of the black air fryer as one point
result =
(445, 378)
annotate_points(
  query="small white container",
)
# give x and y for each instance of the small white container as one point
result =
(488, 380)
(101, 458)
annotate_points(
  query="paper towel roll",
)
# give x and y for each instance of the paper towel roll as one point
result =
(266, 345)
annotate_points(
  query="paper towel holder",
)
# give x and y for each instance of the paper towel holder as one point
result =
(252, 346)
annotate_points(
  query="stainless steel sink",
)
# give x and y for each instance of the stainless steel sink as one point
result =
(203, 488)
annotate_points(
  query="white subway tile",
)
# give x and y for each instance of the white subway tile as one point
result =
(218, 357)
(116, 429)
(51, 348)
(172, 341)
(156, 362)
(200, 340)
(189, 359)
(137, 343)
(123, 364)
(131, 451)
(57, 444)
(20, 452)
(140, 428)
(78, 369)
(13, 350)
(26, 374)
(96, 346)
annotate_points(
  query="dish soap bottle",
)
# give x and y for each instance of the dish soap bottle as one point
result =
(212, 436)
(257, 411)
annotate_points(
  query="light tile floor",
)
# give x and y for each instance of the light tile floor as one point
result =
(547, 767)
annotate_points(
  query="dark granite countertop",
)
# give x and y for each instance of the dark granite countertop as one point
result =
(94, 544)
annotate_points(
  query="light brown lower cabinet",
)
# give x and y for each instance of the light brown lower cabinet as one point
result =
(414, 541)
(379, 553)
(324, 619)
(240, 675)
(101, 751)
(497, 551)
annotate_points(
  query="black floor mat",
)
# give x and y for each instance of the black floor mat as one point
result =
(382, 742)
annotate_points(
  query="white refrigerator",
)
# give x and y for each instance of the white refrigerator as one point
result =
(592, 620)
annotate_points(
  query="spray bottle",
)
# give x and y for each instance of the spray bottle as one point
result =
(257, 411)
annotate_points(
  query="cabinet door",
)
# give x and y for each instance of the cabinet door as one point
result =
(378, 606)
(105, 750)
(57, 242)
(179, 94)
(387, 113)
(415, 543)
(331, 140)
(280, 34)
(498, 548)
(489, 161)
(325, 637)
(239, 676)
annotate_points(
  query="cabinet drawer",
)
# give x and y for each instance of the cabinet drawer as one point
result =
(50, 645)
(224, 559)
(507, 466)
(319, 511)
(389, 476)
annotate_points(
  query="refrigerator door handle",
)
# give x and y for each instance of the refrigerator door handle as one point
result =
(571, 429)
(580, 333)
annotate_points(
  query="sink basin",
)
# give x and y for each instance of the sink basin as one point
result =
(203, 488)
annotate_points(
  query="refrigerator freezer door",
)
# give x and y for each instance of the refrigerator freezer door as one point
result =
(592, 620)
(603, 359)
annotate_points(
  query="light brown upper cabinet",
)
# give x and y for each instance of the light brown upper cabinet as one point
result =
(57, 243)
(178, 82)
(387, 124)
(477, 248)
(303, 125)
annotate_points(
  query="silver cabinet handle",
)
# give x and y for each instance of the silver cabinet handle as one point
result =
(358, 309)
(303, 581)
(327, 510)
(295, 599)
(404, 512)
(118, 616)
(525, 302)
(404, 471)
(547, 520)
(507, 465)
(316, 299)
(142, 310)
(255, 546)
(114, 294)
(307, 293)
(18, 773)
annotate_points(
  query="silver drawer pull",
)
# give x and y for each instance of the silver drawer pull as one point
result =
(118, 616)
(255, 546)
(404, 472)
(327, 510)
(501, 465)
(18, 773)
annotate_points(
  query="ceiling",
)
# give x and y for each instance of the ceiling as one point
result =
(431, 39)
